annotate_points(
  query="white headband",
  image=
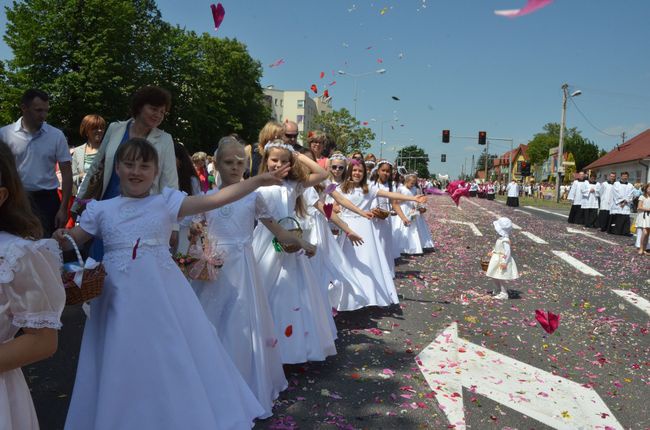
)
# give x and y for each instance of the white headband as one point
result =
(277, 144)
(384, 162)
(339, 157)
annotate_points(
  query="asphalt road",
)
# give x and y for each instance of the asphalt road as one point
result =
(602, 343)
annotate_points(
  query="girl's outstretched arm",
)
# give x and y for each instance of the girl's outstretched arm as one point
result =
(316, 173)
(402, 197)
(193, 205)
(79, 235)
(400, 213)
(343, 201)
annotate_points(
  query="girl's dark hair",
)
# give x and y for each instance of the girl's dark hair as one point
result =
(348, 184)
(185, 168)
(137, 148)
(16, 216)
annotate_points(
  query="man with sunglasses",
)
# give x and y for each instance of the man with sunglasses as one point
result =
(291, 136)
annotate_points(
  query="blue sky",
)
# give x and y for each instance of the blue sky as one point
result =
(453, 64)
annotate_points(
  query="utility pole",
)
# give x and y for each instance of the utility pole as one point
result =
(622, 138)
(473, 170)
(560, 155)
(487, 154)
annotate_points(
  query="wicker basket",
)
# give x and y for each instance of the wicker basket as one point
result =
(296, 231)
(422, 209)
(380, 213)
(485, 262)
(91, 285)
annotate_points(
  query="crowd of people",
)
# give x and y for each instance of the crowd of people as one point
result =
(609, 206)
(301, 233)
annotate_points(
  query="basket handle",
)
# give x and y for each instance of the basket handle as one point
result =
(290, 218)
(76, 249)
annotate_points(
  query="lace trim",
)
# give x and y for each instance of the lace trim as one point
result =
(16, 249)
(37, 320)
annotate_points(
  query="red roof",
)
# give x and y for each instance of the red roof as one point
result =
(505, 158)
(634, 149)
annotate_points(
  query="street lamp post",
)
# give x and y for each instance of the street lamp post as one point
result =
(560, 155)
(356, 76)
(381, 135)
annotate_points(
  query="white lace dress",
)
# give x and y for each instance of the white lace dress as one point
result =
(31, 296)
(368, 261)
(384, 228)
(303, 319)
(410, 242)
(236, 302)
(150, 358)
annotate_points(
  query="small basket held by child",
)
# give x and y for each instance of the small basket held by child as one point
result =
(294, 229)
(84, 283)
(202, 262)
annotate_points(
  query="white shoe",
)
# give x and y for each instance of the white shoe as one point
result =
(502, 296)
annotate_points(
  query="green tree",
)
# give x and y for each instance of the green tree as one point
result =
(91, 55)
(480, 164)
(344, 131)
(582, 149)
(414, 159)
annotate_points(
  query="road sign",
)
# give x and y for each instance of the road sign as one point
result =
(450, 363)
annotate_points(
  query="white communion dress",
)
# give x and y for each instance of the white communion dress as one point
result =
(368, 261)
(501, 254)
(303, 318)
(150, 358)
(344, 291)
(410, 237)
(236, 303)
(423, 229)
(384, 227)
(31, 296)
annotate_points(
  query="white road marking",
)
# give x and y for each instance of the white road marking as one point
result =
(534, 238)
(449, 364)
(590, 235)
(545, 211)
(496, 215)
(471, 225)
(577, 264)
(523, 212)
(635, 300)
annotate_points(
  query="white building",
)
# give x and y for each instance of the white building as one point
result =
(296, 106)
(633, 157)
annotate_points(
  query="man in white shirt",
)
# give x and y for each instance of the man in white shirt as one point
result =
(590, 192)
(622, 196)
(575, 214)
(513, 194)
(604, 220)
(38, 147)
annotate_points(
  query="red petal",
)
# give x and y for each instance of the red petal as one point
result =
(135, 249)
(322, 75)
(314, 88)
(218, 13)
(327, 208)
(288, 331)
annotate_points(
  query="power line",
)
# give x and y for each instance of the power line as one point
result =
(589, 122)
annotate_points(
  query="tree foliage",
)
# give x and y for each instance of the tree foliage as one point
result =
(91, 55)
(415, 160)
(583, 150)
(480, 164)
(344, 131)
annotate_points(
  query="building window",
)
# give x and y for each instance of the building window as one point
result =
(301, 104)
(276, 102)
(282, 103)
(300, 119)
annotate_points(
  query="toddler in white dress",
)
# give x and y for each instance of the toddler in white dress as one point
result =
(502, 266)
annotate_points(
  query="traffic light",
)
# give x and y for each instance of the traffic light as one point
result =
(525, 168)
(443, 158)
(445, 136)
(482, 137)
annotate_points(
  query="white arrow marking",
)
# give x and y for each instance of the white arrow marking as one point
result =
(635, 300)
(450, 363)
(577, 263)
(590, 235)
(545, 211)
(475, 230)
(534, 238)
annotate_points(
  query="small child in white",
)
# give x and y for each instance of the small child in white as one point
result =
(502, 266)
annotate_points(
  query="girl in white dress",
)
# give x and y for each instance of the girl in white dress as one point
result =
(148, 351)
(502, 266)
(643, 219)
(31, 296)
(236, 302)
(368, 260)
(381, 179)
(423, 229)
(411, 242)
(303, 318)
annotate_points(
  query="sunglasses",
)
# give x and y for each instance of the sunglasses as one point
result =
(337, 167)
(291, 136)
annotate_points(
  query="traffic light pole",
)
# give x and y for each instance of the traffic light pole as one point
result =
(503, 139)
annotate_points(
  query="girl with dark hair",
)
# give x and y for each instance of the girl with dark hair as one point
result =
(188, 182)
(31, 296)
(148, 342)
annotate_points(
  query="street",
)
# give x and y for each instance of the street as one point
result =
(450, 356)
